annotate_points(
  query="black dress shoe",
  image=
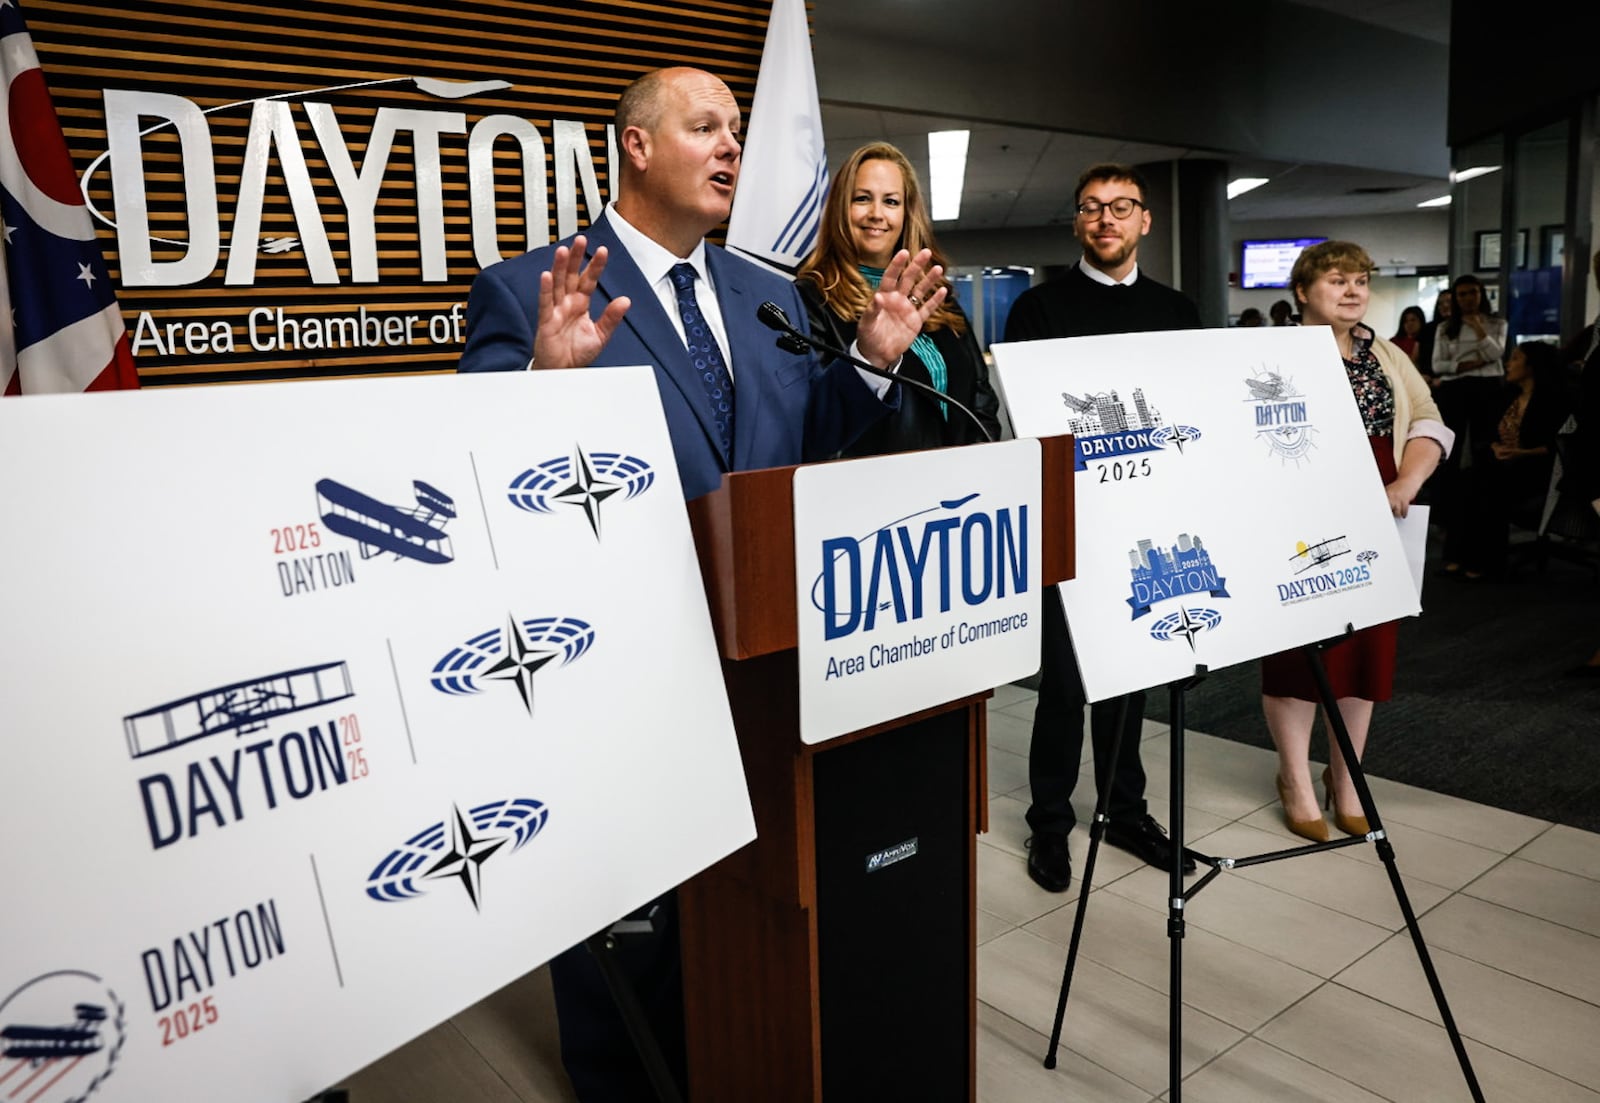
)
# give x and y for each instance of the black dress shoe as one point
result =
(1147, 840)
(1049, 862)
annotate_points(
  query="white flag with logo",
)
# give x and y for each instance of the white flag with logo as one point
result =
(784, 179)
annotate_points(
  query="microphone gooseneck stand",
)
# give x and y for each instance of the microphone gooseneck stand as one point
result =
(1178, 897)
(794, 339)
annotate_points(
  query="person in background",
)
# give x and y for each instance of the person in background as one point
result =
(1467, 352)
(1467, 375)
(1282, 313)
(1408, 335)
(1249, 318)
(1512, 468)
(1103, 293)
(1408, 439)
(1585, 475)
(874, 209)
(1428, 337)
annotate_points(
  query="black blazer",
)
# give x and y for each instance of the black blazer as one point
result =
(919, 423)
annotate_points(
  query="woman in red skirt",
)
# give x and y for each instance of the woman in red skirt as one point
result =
(1408, 437)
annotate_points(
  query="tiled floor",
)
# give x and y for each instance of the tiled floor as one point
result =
(1300, 982)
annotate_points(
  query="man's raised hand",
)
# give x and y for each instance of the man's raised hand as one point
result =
(567, 337)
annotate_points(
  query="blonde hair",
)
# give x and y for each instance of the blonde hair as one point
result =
(834, 264)
(1328, 256)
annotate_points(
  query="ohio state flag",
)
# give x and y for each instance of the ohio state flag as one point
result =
(60, 327)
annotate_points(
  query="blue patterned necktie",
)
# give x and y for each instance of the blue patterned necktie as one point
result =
(707, 357)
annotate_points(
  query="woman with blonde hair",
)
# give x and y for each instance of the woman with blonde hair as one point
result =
(874, 209)
(1408, 440)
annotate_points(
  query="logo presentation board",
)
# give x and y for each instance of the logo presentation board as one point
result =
(331, 708)
(1228, 505)
(917, 581)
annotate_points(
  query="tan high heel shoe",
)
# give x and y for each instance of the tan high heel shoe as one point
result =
(1316, 830)
(1350, 825)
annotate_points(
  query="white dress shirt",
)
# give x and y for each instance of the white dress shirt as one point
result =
(656, 262)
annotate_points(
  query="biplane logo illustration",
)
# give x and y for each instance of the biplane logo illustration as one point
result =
(456, 849)
(1182, 571)
(1104, 429)
(408, 532)
(60, 1037)
(512, 654)
(1321, 570)
(240, 707)
(1281, 418)
(246, 776)
(584, 481)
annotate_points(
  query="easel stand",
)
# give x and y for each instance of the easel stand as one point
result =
(1178, 897)
(602, 947)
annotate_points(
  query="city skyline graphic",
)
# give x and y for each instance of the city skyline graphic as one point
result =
(1105, 412)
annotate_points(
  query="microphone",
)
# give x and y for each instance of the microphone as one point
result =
(793, 339)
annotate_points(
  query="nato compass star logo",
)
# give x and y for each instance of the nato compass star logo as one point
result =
(512, 654)
(584, 482)
(60, 1037)
(456, 849)
(1185, 624)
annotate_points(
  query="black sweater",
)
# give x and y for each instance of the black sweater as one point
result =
(1073, 305)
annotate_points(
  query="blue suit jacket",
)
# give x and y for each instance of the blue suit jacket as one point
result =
(788, 408)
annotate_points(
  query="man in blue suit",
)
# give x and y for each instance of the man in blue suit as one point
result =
(644, 287)
(678, 147)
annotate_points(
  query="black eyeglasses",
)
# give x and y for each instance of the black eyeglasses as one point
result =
(1122, 208)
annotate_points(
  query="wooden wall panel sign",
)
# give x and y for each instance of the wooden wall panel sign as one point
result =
(308, 190)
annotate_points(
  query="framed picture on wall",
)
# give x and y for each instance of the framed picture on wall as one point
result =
(1522, 249)
(1487, 250)
(1552, 246)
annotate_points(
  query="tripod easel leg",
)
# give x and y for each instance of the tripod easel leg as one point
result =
(603, 946)
(1385, 851)
(1175, 898)
(1097, 828)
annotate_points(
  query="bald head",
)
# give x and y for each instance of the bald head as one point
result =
(678, 147)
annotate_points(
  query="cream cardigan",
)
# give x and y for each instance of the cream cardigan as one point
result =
(1415, 413)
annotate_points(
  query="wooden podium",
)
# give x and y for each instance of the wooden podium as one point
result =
(806, 974)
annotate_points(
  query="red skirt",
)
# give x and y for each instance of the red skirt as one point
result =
(1361, 666)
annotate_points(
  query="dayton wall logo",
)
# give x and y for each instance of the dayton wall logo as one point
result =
(406, 532)
(275, 146)
(1182, 571)
(60, 1037)
(456, 849)
(1325, 568)
(585, 482)
(294, 759)
(922, 563)
(1281, 419)
(1105, 429)
(512, 654)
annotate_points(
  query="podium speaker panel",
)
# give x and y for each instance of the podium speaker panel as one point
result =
(893, 846)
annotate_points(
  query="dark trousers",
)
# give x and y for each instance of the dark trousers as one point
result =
(596, 1050)
(1471, 407)
(1491, 492)
(1057, 743)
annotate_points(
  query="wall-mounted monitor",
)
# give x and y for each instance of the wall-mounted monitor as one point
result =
(1268, 263)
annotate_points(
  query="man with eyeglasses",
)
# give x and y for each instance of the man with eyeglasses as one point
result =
(1103, 293)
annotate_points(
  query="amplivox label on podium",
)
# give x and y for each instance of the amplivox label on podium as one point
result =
(330, 708)
(917, 581)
